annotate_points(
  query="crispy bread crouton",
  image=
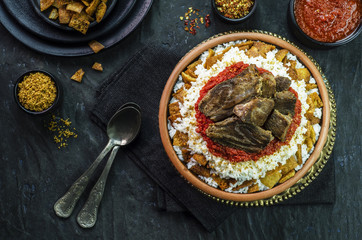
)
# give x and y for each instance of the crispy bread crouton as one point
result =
(303, 74)
(280, 55)
(101, 10)
(179, 94)
(244, 184)
(95, 46)
(64, 15)
(54, 14)
(253, 188)
(200, 170)
(45, 4)
(174, 108)
(290, 164)
(317, 101)
(287, 176)
(97, 66)
(79, 24)
(187, 78)
(271, 178)
(180, 139)
(260, 49)
(78, 75)
(75, 7)
(91, 9)
(201, 159)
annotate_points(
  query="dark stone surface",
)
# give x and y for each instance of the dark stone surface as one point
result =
(34, 173)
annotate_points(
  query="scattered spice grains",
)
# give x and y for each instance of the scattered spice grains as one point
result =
(62, 130)
(234, 9)
(37, 92)
(193, 18)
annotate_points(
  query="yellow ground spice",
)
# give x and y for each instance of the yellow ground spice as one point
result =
(234, 8)
(37, 92)
(62, 130)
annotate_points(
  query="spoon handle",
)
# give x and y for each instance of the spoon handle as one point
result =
(65, 205)
(87, 216)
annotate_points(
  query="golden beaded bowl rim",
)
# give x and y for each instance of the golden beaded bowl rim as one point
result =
(56, 100)
(248, 197)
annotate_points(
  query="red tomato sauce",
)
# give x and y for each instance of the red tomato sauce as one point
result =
(231, 154)
(328, 20)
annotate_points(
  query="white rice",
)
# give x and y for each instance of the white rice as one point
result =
(241, 171)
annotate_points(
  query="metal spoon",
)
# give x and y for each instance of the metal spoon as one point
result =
(122, 128)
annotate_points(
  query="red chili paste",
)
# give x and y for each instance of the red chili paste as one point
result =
(231, 154)
(328, 20)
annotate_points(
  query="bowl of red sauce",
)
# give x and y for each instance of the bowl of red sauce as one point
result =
(327, 23)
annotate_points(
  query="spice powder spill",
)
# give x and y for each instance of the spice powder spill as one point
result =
(62, 130)
(37, 92)
(193, 18)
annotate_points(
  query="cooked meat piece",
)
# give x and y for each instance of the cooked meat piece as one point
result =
(285, 102)
(219, 102)
(234, 133)
(268, 85)
(283, 83)
(255, 112)
(278, 124)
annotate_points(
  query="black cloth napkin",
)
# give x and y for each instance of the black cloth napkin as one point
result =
(142, 80)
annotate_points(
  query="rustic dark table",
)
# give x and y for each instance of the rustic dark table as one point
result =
(34, 172)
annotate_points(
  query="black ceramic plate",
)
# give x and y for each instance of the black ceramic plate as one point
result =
(25, 15)
(139, 11)
(45, 15)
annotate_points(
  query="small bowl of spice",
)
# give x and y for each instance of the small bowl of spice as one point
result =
(234, 11)
(325, 24)
(37, 92)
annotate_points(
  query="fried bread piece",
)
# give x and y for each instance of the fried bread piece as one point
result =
(54, 14)
(287, 176)
(201, 159)
(45, 4)
(91, 9)
(253, 188)
(174, 108)
(271, 178)
(303, 74)
(79, 24)
(95, 46)
(78, 75)
(244, 184)
(101, 10)
(260, 49)
(64, 15)
(180, 139)
(200, 170)
(281, 54)
(97, 66)
(289, 165)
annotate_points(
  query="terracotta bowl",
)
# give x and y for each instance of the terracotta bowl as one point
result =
(193, 55)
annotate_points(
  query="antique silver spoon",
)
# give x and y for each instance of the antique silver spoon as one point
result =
(122, 129)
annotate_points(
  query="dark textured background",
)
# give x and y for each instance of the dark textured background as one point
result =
(34, 173)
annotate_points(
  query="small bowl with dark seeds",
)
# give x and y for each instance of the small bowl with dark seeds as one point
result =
(37, 92)
(233, 11)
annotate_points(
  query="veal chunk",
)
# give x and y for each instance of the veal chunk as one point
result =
(268, 85)
(279, 124)
(285, 102)
(219, 102)
(255, 111)
(283, 83)
(234, 133)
